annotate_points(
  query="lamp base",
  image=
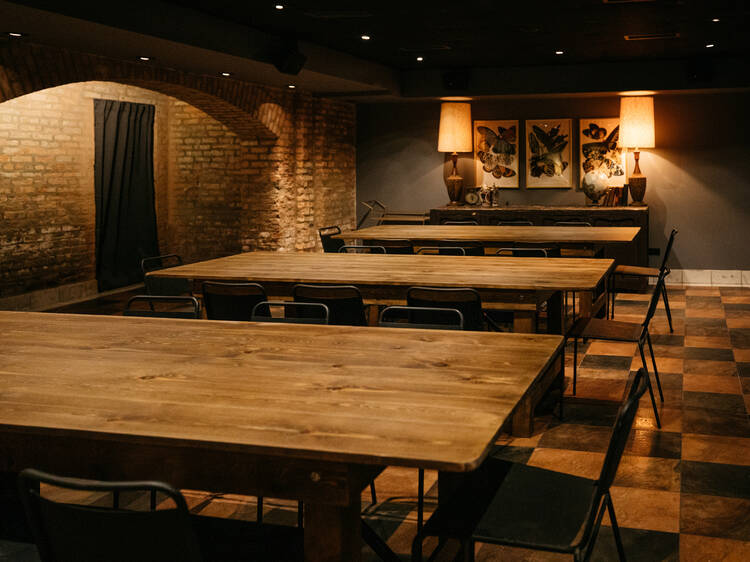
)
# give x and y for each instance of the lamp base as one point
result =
(454, 184)
(637, 183)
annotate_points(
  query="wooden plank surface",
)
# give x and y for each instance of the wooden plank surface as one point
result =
(480, 272)
(359, 395)
(498, 234)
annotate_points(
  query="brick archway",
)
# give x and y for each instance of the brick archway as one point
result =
(248, 110)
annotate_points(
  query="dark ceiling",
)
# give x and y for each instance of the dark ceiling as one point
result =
(494, 33)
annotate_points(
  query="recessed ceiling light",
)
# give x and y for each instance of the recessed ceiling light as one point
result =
(15, 34)
(709, 45)
(420, 59)
(291, 86)
(716, 20)
(279, 6)
(144, 58)
(559, 52)
(226, 73)
(365, 38)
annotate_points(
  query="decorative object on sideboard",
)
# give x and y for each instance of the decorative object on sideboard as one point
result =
(496, 153)
(548, 153)
(637, 132)
(471, 196)
(455, 136)
(602, 161)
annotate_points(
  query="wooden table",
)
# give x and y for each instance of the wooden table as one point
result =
(386, 278)
(281, 410)
(498, 235)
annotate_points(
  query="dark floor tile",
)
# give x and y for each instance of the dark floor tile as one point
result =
(614, 362)
(647, 443)
(740, 338)
(512, 453)
(576, 437)
(651, 473)
(715, 516)
(709, 422)
(743, 369)
(590, 412)
(730, 404)
(699, 302)
(667, 339)
(744, 306)
(734, 291)
(672, 351)
(639, 545)
(745, 384)
(707, 367)
(716, 479)
(712, 354)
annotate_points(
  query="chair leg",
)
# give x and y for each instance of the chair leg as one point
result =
(594, 533)
(467, 548)
(300, 514)
(372, 493)
(653, 360)
(666, 305)
(259, 512)
(575, 363)
(613, 294)
(420, 500)
(615, 527)
(648, 381)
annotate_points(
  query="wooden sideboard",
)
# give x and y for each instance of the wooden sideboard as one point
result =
(541, 215)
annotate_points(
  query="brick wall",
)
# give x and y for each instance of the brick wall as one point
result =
(238, 166)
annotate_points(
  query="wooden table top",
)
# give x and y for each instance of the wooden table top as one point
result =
(495, 234)
(480, 272)
(428, 398)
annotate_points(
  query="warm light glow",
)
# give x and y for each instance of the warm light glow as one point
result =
(716, 20)
(365, 38)
(559, 52)
(637, 122)
(291, 86)
(638, 93)
(709, 46)
(15, 34)
(226, 74)
(145, 58)
(420, 59)
(455, 128)
(279, 7)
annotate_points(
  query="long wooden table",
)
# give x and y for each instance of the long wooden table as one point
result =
(498, 235)
(290, 411)
(386, 278)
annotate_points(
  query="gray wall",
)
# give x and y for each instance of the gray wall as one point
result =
(698, 176)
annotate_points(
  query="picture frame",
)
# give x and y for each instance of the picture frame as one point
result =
(548, 153)
(496, 154)
(598, 151)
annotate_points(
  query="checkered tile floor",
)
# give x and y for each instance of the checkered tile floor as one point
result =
(682, 492)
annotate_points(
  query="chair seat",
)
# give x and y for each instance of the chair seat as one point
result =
(600, 329)
(539, 508)
(637, 270)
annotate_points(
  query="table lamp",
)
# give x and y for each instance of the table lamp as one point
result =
(636, 132)
(455, 136)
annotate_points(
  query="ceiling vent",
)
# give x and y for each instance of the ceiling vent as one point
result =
(650, 36)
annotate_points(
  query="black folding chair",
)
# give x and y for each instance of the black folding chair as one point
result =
(330, 244)
(529, 252)
(360, 249)
(231, 301)
(290, 312)
(344, 302)
(455, 248)
(572, 223)
(394, 246)
(515, 223)
(164, 285)
(163, 306)
(466, 301)
(415, 316)
(468, 222)
(523, 506)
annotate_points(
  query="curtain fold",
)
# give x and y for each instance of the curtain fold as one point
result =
(124, 191)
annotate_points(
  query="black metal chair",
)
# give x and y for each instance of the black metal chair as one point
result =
(231, 301)
(287, 312)
(468, 222)
(524, 506)
(164, 285)
(515, 223)
(164, 306)
(413, 316)
(330, 244)
(394, 246)
(455, 248)
(442, 250)
(648, 272)
(629, 332)
(466, 301)
(572, 223)
(360, 249)
(344, 302)
(529, 252)
(83, 533)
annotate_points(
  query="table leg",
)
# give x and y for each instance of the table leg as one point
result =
(555, 313)
(333, 533)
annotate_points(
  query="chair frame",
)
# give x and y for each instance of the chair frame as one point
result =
(402, 246)
(468, 222)
(228, 289)
(151, 299)
(386, 324)
(435, 250)
(326, 234)
(144, 261)
(255, 317)
(514, 223)
(372, 249)
(490, 323)
(352, 288)
(518, 252)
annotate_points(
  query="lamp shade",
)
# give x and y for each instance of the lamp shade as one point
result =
(455, 128)
(637, 122)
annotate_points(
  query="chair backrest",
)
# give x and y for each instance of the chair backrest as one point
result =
(359, 249)
(523, 252)
(421, 317)
(667, 250)
(344, 302)
(468, 222)
(467, 301)
(572, 223)
(330, 244)
(394, 246)
(67, 532)
(621, 431)
(163, 285)
(442, 250)
(515, 223)
(166, 307)
(470, 247)
(290, 312)
(654, 299)
(231, 301)
(374, 214)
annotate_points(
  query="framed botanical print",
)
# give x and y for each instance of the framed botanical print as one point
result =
(548, 153)
(601, 158)
(496, 153)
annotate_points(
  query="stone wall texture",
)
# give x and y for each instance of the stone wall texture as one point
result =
(238, 166)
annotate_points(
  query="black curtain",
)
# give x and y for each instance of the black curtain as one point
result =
(124, 191)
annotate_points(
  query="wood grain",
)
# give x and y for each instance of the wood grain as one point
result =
(374, 271)
(498, 234)
(369, 396)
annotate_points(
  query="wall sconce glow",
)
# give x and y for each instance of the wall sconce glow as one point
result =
(15, 34)
(279, 6)
(710, 45)
(365, 38)
(420, 59)
(716, 20)
(226, 73)
(291, 86)
(559, 52)
(144, 58)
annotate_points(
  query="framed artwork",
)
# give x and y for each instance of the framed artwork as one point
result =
(496, 153)
(602, 161)
(548, 153)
